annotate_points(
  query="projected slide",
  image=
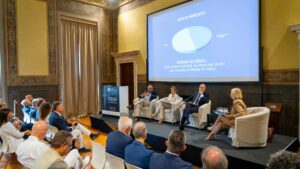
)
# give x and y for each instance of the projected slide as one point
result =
(205, 41)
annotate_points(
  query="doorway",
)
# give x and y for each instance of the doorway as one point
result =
(127, 79)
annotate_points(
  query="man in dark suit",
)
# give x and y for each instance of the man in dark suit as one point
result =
(192, 104)
(170, 159)
(136, 153)
(57, 120)
(118, 140)
(145, 99)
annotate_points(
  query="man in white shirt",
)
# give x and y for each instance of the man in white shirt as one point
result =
(166, 103)
(34, 147)
(29, 150)
(60, 150)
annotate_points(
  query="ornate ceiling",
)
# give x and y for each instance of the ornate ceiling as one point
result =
(107, 3)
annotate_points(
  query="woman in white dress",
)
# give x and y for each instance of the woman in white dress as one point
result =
(9, 130)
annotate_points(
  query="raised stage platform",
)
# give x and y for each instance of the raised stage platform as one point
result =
(238, 158)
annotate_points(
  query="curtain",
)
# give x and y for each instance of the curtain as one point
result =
(78, 65)
(2, 78)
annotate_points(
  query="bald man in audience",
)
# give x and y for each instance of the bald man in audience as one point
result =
(29, 150)
(136, 153)
(213, 158)
(118, 140)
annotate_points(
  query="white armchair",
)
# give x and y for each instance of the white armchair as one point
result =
(251, 130)
(146, 111)
(172, 115)
(199, 120)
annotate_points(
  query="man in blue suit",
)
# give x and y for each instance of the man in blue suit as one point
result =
(170, 159)
(118, 140)
(57, 120)
(136, 153)
(192, 104)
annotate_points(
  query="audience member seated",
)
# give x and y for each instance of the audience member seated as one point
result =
(60, 147)
(32, 148)
(9, 131)
(28, 98)
(284, 160)
(57, 120)
(192, 104)
(166, 103)
(118, 140)
(239, 108)
(213, 158)
(26, 111)
(59, 164)
(170, 159)
(34, 111)
(44, 111)
(41, 100)
(136, 153)
(145, 100)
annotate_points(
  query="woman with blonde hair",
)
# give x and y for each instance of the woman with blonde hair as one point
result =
(239, 108)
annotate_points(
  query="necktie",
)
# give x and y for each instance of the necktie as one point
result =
(197, 100)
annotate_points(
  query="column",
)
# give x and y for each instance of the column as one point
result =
(296, 28)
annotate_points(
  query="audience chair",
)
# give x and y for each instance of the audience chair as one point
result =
(52, 130)
(130, 166)
(199, 120)
(251, 130)
(98, 158)
(113, 162)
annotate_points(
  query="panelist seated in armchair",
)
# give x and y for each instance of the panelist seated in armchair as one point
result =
(166, 103)
(192, 104)
(146, 99)
(227, 120)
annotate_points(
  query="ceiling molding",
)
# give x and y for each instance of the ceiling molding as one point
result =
(104, 3)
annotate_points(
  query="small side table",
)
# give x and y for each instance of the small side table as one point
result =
(275, 110)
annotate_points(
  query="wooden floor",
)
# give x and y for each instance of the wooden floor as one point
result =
(12, 162)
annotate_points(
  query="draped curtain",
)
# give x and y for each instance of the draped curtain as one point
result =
(78, 65)
(2, 79)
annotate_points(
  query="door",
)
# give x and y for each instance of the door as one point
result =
(127, 79)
